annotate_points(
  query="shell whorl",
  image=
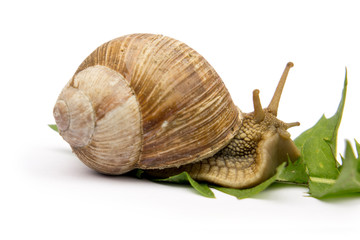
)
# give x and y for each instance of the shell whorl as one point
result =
(99, 99)
(178, 107)
(74, 116)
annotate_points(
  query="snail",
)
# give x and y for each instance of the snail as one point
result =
(145, 101)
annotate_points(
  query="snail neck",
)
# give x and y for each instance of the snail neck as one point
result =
(251, 157)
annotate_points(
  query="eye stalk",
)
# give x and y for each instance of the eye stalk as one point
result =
(274, 104)
(259, 113)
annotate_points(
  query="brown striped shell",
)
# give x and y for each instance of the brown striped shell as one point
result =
(145, 101)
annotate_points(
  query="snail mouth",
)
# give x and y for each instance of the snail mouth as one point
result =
(74, 116)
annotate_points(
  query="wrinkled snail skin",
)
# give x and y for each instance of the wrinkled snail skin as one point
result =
(151, 102)
(249, 159)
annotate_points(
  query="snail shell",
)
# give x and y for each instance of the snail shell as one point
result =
(145, 101)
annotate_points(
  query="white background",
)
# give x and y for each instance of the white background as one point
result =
(47, 193)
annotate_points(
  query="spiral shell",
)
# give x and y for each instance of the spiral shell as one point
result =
(145, 101)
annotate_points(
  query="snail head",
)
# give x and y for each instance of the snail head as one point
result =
(267, 116)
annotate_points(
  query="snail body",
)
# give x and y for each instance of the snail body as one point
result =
(151, 102)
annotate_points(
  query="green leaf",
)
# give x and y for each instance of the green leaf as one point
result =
(245, 193)
(138, 173)
(184, 178)
(294, 173)
(318, 149)
(54, 127)
(348, 180)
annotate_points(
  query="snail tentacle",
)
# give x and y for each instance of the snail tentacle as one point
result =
(274, 104)
(259, 113)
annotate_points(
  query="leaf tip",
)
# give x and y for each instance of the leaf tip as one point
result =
(53, 127)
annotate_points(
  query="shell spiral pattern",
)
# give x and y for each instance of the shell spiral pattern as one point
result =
(149, 102)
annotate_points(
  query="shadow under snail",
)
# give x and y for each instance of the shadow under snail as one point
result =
(145, 101)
